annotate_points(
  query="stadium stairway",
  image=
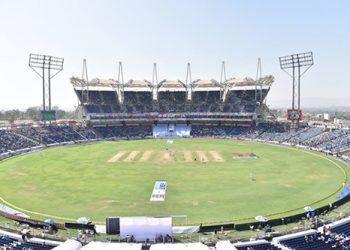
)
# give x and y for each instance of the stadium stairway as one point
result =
(80, 134)
(26, 138)
(98, 134)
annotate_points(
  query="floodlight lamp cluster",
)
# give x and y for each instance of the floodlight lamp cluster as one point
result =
(296, 60)
(46, 62)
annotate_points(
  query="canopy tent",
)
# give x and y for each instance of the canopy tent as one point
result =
(69, 244)
(50, 221)
(83, 220)
(224, 245)
(261, 218)
(179, 246)
(308, 209)
(95, 245)
(143, 228)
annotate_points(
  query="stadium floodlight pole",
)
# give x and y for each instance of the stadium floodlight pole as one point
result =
(296, 61)
(46, 64)
(293, 62)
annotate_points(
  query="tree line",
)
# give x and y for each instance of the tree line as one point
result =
(33, 113)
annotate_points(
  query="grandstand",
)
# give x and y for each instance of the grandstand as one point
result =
(111, 103)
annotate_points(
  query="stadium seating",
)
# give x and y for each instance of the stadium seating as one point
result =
(338, 227)
(138, 101)
(259, 246)
(11, 141)
(125, 131)
(100, 101)
(240, 101)
(172, 101)
(275, 132)
(312, 239)
(92, 108)
(206, 101)
(109, 97)
(305, 134)
(324, 138)
(317, 138)
(33, 136)
(8, 242)
(168, 101)
(85, 133)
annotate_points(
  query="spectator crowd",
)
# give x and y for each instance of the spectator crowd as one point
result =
(317, 138)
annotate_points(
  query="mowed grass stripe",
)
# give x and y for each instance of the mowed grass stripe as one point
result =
(118, 156)
(146, 155)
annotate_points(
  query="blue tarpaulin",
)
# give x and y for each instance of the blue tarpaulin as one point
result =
(344, 192)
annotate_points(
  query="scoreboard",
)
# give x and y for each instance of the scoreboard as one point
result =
(294, 115)
(48, 115)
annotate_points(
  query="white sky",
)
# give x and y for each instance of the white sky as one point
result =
(172, 33)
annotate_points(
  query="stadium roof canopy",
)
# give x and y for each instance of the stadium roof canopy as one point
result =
(171, 84)
(236, 82)
(205, 83)
(78, 82)
(176, 85)
(138, 83)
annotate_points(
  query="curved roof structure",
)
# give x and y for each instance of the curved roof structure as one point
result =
(138, 84)
(205, 83)
(171, 84)
(78, 82)
(265, 81)
(235, 82)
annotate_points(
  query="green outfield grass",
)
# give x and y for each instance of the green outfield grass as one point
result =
(78, 180)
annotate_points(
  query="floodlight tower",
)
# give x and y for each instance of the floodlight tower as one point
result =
(46, 64)
(294, 63)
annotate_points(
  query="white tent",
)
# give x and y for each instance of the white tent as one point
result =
(83, 220)
(179, 246)
(143, 228)
(224, 245)
(69, 244)
(95, 245)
